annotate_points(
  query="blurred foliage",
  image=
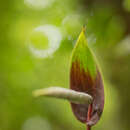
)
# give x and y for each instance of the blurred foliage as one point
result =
(108, 29)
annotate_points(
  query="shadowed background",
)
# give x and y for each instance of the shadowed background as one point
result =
(37, 37)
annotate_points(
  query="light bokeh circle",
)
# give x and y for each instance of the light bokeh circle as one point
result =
(38, 4)
(36, 123)
(54, 38)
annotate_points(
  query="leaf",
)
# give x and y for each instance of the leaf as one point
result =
(86, 77)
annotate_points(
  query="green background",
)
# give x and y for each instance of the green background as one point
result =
(108, 33)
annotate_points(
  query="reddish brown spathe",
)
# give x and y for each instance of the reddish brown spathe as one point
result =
(86, 77)
(82, 82)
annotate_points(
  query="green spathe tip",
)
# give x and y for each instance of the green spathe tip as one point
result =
(83, 56)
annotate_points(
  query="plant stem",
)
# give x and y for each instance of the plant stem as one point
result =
(88, 127)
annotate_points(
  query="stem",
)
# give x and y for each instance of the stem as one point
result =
(63, 93)
(88, 127)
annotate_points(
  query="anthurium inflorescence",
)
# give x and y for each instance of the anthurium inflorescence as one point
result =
(87, 92)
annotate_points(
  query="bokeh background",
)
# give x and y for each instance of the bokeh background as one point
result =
(36, 40)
